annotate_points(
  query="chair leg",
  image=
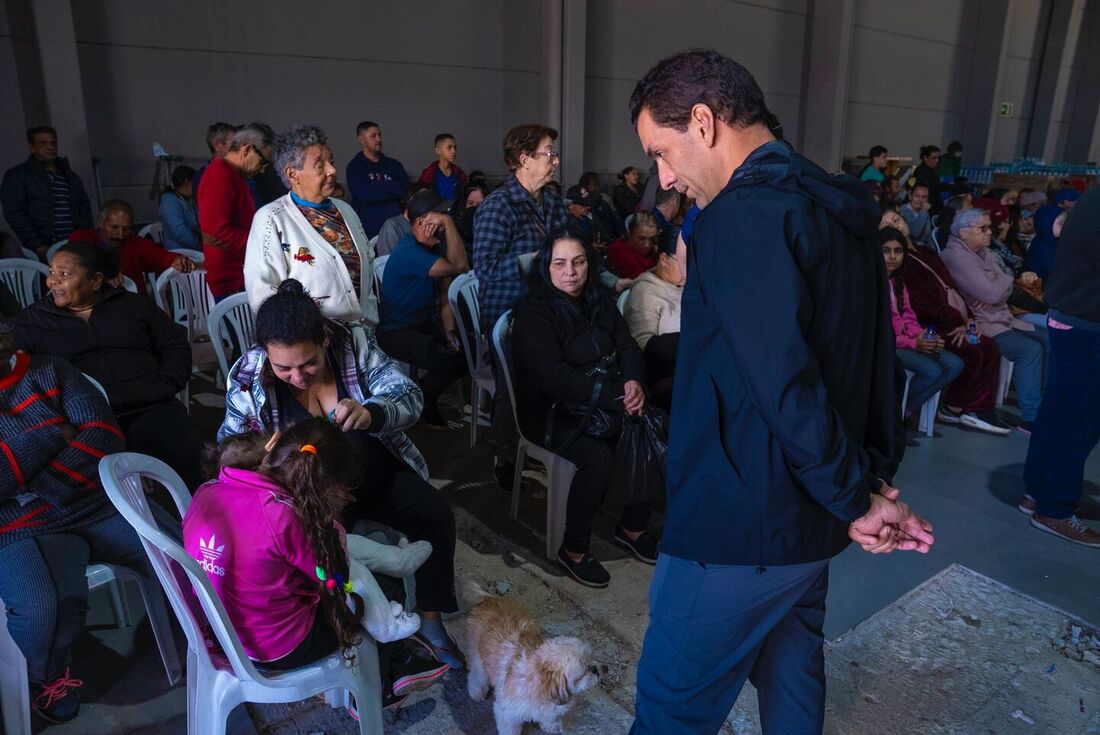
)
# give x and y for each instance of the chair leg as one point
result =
(368, 697)
(559, 477)
(160, 619)
(119, 606)
(15, 695)
(475, 410)
(521, 458)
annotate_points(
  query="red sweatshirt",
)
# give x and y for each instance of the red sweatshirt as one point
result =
(226, 209)
(139, 255)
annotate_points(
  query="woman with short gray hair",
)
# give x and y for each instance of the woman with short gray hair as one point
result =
(310, 236)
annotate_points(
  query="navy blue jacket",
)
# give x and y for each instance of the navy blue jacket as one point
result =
(28, 202)
(376, 190)
(786, 404)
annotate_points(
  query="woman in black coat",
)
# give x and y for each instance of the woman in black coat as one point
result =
(566, 329)
(136, 352)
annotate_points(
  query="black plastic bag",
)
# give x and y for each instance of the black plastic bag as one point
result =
(638, 474)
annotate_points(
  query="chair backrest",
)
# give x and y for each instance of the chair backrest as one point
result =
(195, 255)
(462, 296)
(96, 384)
(379, 269)
(121, 475)
(154, 230)
(186, 298)
(230, 314)
(53, 249)
(23, 278)
(623, 298)
(129, 285)
(502, 344)
(373, 242)
(28, 253)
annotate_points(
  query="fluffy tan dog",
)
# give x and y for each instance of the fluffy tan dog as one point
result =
(533, 678)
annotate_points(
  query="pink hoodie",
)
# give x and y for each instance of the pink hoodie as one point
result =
(255, 551)
(906, 326)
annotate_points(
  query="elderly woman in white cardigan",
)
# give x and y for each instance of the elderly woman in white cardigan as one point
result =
(309, 236)
(653, 312)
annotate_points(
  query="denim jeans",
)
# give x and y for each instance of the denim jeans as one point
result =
(1068, 427)
(1028, 353)
(931, 373)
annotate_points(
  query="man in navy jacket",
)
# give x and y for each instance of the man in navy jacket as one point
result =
(786, 419)
(376, 182)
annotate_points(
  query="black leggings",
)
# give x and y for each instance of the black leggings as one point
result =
(423, 346)
(594, 459)
(165, 431)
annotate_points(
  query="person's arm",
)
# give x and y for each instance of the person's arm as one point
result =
(73, 470)
(152, 258)
(757, 311)
(265, 264)
(170, 346)
(928, 299)
(173, 215)
(394, 401)
(242, 415)
(454, 260)
(13, 196)
(494, 227)
(972, 280)
(642, 315)
(373, 191)
(216, 211)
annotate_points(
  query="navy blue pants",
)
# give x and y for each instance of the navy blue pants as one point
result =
(711, 627)
(1068, 427)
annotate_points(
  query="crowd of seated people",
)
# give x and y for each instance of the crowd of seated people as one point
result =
(322, 378)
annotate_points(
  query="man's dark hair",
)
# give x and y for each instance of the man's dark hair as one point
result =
(701, 76)
(954, 147)
(665, 195)
(31, 132)
(524, 139)
(366, 125)
(928, 150)
(217, 131)
(876, 150)
(440, 138)
(413, 188)
(590, 180)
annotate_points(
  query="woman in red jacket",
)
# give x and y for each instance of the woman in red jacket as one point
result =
(969, 399)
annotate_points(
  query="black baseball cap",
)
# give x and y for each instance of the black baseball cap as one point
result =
(425, 201)
(581, 195)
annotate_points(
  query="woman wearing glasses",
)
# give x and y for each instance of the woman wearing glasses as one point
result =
(226, 207)
(637, 253)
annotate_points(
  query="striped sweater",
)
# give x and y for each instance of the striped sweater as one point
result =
(49, 484)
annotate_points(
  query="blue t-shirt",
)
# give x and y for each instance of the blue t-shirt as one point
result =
(408, 294)
(446, 186)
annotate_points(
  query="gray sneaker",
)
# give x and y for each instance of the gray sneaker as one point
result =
(984, 424)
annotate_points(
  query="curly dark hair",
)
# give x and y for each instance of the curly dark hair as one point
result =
(308, 478)
(675, 84)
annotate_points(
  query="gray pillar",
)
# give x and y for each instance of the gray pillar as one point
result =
(563, 80)
(983, 90)
(64, 89)
(551, 62)
(827, 92)
(1046, 138)
(1081, 133)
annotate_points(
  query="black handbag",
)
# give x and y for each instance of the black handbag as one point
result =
(641, 458)
(593, 420)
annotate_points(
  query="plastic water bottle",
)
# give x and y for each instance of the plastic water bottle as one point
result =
(972, 333)
(930, 334)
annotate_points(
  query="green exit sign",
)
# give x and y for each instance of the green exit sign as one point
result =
(1006, 109)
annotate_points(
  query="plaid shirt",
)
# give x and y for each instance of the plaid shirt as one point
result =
(370, 377)
(509, 223)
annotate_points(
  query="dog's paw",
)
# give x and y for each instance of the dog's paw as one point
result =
(478, 694)
(551, 727)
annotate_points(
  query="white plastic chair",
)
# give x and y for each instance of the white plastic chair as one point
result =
(218, 682)
(30, 254)
(379, 269)
(559, 470)
(927, 423)
(196, 255)
(129, 285)
(1004, 380)
(230, 315)
(623, 298)
(53, 249)
(153, 230)
(23, 278)
(188, 301)
(373, 243)
(463, 290)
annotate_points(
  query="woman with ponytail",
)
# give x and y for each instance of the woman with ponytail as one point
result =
(305, 366)
(267, 538)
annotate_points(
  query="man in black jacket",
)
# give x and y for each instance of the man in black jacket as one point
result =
(1068, 426)
(786, 415)
(44, 200)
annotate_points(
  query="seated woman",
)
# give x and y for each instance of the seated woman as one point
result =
(55, 518)
(637, 253)
(920, 353)
(987, 289)
(566, 327)
(305, 366)
(653, 313)
(309, 236)
(136, 352)
(969, 399)
(626, 193)
(279, 545)
(177, 212)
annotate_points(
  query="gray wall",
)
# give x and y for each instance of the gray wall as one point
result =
(1027, 25)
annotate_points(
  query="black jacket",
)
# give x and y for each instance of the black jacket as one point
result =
(786, 402)
(129, 345)
(927, 176)
(625, 199)
(28, 202)
(554, 345)
(1073, 287)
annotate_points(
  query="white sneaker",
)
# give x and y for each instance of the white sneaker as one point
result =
(973, 421)
(946, 417)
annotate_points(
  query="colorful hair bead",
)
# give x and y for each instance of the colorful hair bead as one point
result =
(320, 574)
(309, 448)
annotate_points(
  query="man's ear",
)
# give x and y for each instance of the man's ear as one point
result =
(702, 123)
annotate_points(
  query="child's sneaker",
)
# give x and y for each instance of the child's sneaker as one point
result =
(411, 672)
(57, 701)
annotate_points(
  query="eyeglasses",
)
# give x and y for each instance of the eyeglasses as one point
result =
(264, 163)
(552, 155)
(983, 228)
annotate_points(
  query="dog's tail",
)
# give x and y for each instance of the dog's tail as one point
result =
(471, 593)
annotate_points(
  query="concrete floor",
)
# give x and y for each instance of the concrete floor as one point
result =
(967, 484)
